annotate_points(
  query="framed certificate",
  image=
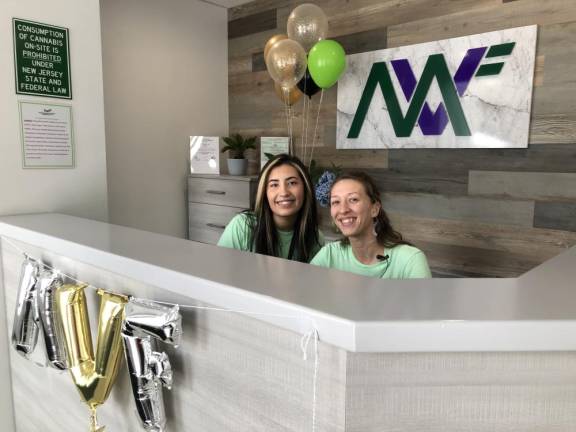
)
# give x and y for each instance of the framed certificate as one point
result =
(204, 155)
(272, 146)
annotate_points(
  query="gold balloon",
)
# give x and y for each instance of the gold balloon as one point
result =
(93, 376)
(271, 42)
(307, 24)
(286, 62)
(287, 96)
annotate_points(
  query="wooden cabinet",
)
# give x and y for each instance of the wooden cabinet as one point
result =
(213, 201)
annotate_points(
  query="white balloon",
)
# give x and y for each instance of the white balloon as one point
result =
(307, 24)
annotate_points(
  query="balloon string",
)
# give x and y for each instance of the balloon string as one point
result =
(290, 116)
(303, 111)
(304, 108)
(316, 128)
(304, 341)
(285, 100)
(28, 256)
(307, 124)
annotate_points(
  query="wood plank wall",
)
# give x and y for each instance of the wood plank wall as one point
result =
(484, 212)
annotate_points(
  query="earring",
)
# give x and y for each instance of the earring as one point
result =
(375, 227)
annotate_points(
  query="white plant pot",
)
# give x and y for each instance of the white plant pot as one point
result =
(238, 167)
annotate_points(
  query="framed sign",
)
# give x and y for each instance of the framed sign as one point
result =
(272, 146)
(204, 154)
(467, 92)
(41, 59)
(46, 132)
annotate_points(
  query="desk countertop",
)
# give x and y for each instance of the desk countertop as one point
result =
(535, 312)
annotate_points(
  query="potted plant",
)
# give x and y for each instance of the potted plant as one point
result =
(236, 145)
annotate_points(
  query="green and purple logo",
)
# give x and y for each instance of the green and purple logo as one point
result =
(452, 87)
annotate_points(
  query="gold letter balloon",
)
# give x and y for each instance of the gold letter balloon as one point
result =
(93, 375)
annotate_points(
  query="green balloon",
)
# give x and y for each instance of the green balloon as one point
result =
(326, 62)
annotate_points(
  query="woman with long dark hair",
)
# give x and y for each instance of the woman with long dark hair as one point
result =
(369, 246)
(284, 221)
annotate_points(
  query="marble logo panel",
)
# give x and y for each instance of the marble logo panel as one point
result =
(467, 92)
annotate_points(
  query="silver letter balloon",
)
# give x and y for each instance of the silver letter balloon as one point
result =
(145, 323)
(36, 312)
(48, 283)
(25, 328)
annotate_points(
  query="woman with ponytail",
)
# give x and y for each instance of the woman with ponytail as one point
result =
(369, 246)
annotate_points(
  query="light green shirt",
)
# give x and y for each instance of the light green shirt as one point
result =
(237, 236)
(404, 262)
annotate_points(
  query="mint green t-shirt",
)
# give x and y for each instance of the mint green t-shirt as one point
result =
(404, 262)
(237, 236)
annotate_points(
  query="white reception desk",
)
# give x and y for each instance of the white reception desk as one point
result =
(368, 328)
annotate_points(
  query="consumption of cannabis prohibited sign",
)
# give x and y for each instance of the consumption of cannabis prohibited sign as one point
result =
(42, 59)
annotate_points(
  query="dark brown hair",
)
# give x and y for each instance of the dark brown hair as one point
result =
(385, 234)
(263, 232)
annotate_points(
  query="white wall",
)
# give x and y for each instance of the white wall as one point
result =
(165, 78)
(81, 191)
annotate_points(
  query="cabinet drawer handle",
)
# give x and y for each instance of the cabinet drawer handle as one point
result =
(218, 226)
(215, 192)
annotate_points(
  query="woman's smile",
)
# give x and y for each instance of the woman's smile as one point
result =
(285, 202)
(347, 221)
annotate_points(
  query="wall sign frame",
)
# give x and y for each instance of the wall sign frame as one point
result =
(47, 135)
(467, 92)
(41, 59)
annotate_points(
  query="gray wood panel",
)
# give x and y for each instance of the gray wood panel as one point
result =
(258, 62)
(555, 215)
(468, 20)
(256, 23)
(238, 65)
(553, 128)
(370, 40)
(250, 44)
(453, 162)
(473, 249)
(446, 171)
(505, 238)
(520, 213)
(529, 185)
(433, 182)
(372, 14)
(462, 260)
